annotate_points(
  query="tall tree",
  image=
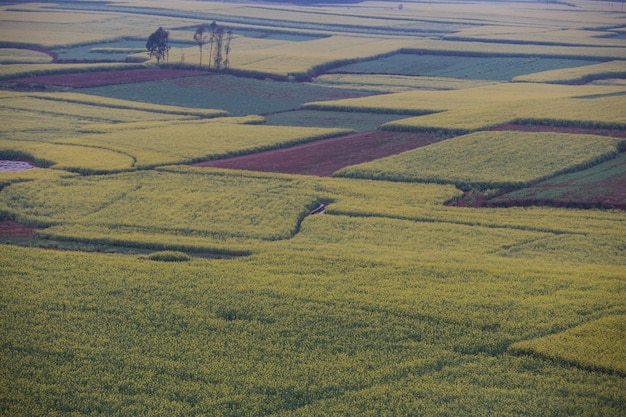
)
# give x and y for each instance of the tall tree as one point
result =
(202, 37)
(229, 37)
(212, 30)
(219, 43)
(158, 44)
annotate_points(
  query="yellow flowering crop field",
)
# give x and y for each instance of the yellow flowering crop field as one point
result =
(487, 106)
(396, 83)
(595, 345)
(21, 56)
(606, 70)
(489, 160)
(199, 141)
(132, 283)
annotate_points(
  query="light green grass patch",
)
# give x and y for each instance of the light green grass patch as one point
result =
(598, 345)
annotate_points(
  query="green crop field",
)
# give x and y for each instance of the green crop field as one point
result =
(481, 68)
(481, 274)
(235, 95)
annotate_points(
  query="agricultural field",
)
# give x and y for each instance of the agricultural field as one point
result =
(491, 160)
(602, 185)
(374, 209)
(470, 67)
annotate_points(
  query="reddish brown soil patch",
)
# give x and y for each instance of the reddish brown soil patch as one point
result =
(10, 228)
(324, 157)
(100, 78)
(474, 199)
(573, 130)
(8, 165)
(601, 186)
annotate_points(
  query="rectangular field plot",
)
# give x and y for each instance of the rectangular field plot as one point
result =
(466, 110)
(578, 75)
(467, 67)
(603, 185)
(237, 96)
(487, 160)
(360, 122)
(197, 141)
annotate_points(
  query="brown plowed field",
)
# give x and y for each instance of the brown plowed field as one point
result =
(324, 157)
(10, 228)
(100, 78)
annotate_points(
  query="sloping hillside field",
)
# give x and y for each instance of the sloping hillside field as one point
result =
(364, 209)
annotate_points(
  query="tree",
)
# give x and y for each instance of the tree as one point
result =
(219, 39)
(158, 44)
(202, 37)
(219, 42)
(229, 37)
(212, 30)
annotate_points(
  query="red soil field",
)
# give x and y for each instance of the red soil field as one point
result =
(601, 186)
(100, 78)
(10, 228)
(324, 157)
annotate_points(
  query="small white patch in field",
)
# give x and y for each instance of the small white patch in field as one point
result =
(15, 165)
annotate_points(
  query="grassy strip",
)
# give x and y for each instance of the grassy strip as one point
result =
(99, 101)
(8, 72)
(579, 75)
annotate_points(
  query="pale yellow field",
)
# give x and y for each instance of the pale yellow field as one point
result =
(487, 106)
(597, 345)
(561, 36)
(198, 141)
(28, 70)
(23, 56)
(572, 75)
(396, 83)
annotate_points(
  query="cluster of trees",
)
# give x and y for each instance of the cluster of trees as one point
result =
(219, 40)
(218, 37)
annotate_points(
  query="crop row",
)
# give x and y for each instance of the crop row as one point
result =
(111, 103)
(395, 83)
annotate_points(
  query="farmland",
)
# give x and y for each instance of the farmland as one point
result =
(375, 210)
